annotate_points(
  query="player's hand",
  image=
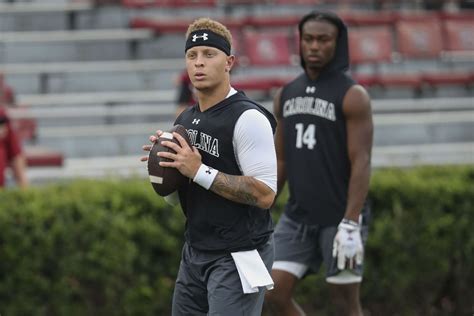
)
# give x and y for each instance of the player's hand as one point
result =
(187, 158)
(347, 245)
(153, 139)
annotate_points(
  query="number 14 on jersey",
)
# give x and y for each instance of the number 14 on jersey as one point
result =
(305, 137)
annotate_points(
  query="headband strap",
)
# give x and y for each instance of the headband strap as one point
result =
(207, 38)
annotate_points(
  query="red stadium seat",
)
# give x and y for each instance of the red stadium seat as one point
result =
(238, 2)
(293, 2)
(448, 78)
(374, 45)
(412, 81)
(43, 157)
(415, 15)
(273, 21)
(267, 48)
(368, 18)
(161, 26)
(140, 4)
(233, 23)
(419, 38)
(164, 26)
(370, 45)
(459, 35)
(366, 80)
(194, 3)
(465, 15)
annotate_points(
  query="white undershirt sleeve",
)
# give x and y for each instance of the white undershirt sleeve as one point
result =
(254, 147)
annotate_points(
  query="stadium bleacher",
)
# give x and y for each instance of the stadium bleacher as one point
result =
(104, 71)
(69, 9)
(414, 41)
(40, 77)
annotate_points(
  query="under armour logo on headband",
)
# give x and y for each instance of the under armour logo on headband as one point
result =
(208, 38)
(203, 36)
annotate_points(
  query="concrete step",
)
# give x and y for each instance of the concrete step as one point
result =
(96, 98)
(75, 45)
(130, 165)
(66, 77)
(124, 134)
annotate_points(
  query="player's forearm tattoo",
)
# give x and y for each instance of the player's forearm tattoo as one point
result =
(235, 188)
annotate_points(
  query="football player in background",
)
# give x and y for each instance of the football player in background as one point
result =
(323, 142)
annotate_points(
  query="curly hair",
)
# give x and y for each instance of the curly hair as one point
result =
(211, 25)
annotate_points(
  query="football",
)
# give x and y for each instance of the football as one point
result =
(166, 180)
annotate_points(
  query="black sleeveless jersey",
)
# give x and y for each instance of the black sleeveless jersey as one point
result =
(214, 223)
(317, 162)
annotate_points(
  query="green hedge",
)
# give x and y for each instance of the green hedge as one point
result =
(87, 248)
(421, 248)
(112, 248)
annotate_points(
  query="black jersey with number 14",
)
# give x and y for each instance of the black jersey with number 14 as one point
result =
(317, 162)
